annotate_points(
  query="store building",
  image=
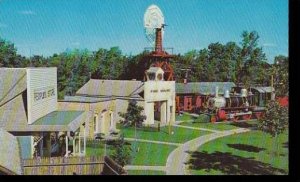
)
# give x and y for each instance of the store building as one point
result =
(28, 110)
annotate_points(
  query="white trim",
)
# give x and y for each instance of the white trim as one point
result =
(28, 96)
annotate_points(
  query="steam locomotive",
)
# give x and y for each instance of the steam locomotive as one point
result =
(237, 104)
(240, 104)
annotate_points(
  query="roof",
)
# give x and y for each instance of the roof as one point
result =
(13, 118)
(10, 160)
(59, 121)
(58, 118)
(12, 83)
(264, 89)
(85, 99)
(204, 88)
(118, 88)
(154, 70)
(13, 115)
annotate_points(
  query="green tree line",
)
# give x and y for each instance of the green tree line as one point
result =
(243, 62)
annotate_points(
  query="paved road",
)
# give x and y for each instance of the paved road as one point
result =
(175, 162)
(152, 168)
(153, 141)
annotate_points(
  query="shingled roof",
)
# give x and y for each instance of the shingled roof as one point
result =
(203, 88)
(12, 83)
(117, 88)
(10, 159)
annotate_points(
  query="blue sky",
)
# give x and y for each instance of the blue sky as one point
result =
(45, 27)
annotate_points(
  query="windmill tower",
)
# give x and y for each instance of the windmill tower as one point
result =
(154, 28)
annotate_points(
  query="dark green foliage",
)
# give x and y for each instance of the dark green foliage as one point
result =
(280, 72)
(133, 116)
(122, 152)
(275, 120)
(240, 63)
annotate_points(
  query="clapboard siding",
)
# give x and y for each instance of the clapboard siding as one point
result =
(41, 80)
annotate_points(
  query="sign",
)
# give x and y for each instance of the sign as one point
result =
(44, 93)
(159, 91)
(162, 90)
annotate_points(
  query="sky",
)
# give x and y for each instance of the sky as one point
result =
(45, 27)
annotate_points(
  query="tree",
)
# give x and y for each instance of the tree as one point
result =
(121, 153)
(249, 64)
(281, 75)
(8, 55)
(133, 116)
(275, 120)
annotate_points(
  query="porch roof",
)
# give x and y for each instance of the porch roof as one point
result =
(60, 121)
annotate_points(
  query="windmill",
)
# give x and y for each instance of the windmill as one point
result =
(154, 29)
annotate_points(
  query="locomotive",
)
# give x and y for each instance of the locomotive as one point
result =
(239, 104)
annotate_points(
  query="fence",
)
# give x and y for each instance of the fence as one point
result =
(93, 165)
(64, 166)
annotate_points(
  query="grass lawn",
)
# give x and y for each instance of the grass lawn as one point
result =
(151, 154)
(148, 154)
(245, 153)
(183, 117)
(180, 135)
(142, 172)
(97, 149)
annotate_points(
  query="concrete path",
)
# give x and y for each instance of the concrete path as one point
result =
(176, 160)
(152, 168)
(197, 128)
(153, 141)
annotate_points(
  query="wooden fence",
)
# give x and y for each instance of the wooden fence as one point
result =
(93, 165)
(64, 166)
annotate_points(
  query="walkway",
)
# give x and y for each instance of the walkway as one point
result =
(176, 160)
(197, 128)
(153, 141)
(151, 168)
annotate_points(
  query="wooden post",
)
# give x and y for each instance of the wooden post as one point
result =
(84, 139)
(67, 146)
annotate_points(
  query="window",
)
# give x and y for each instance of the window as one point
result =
(151, 76)
(159, 77)
(95, 123)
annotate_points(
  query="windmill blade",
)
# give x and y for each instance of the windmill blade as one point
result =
(153, 19)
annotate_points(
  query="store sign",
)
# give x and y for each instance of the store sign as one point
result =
(43, 94)
(162, 90)
(159, 91)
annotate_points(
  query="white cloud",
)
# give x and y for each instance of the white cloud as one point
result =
(269, 45)
(27, 12)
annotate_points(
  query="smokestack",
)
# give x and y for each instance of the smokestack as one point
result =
(158, 41)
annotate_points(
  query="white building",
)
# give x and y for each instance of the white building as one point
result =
(28, 109)
(104, 99)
